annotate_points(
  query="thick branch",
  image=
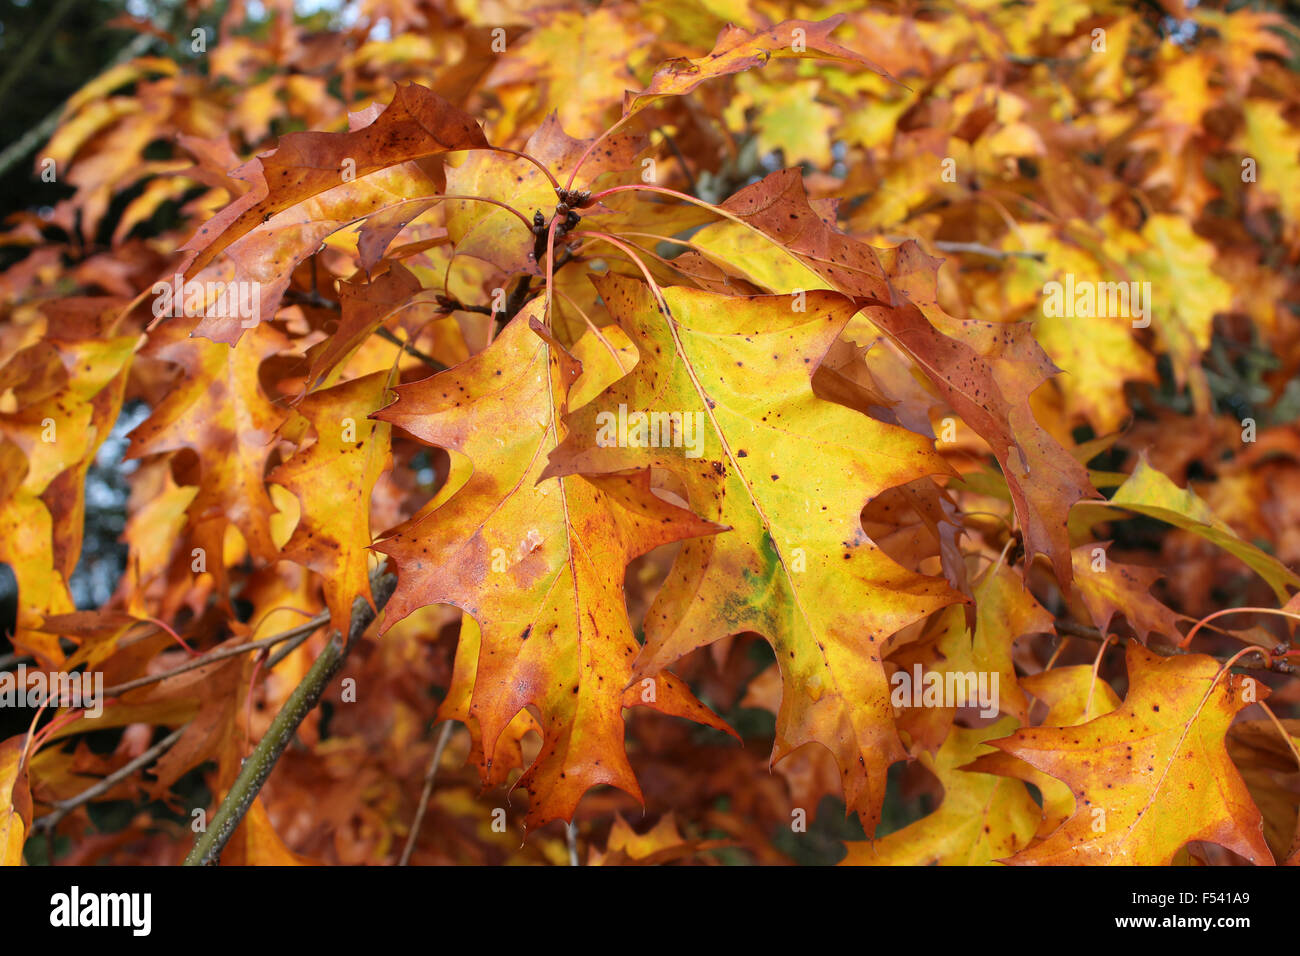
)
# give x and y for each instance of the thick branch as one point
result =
(258, 766)
(518, 296)
(292, 639)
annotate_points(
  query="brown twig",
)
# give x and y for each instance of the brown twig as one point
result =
(63, 807)
(681, 160)
(303, 630)
(313, 298)
(410, 349)
(1089, 633)
(429, 777)
(978, 249)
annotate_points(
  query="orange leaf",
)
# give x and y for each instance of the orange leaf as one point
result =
(985, 371)
(1153, 775)
(538, 562)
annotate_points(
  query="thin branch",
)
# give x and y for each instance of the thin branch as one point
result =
(32, 47)
(290, 646)
(302, 630)
(532, 159)
(429, 776)
(10, 660)
(410, 349)
(1089, 633)
(1234, 610)
(724, 213)
(313, 298)
(1044, 60)
(43, 130)
(258, 766)
(681, 160)
(455, 305)
(63, 807)
(439, 197)
(592, 148)
(294, 638)
(571, 838)
(979, 249)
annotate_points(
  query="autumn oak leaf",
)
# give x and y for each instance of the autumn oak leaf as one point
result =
(537, 561)
(738, 50)
(789, 473)
(1155, 772)
(985, 371)
(982, 817)
(314, 184)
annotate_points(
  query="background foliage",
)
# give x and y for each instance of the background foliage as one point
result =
(1001, 136)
